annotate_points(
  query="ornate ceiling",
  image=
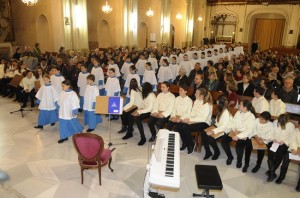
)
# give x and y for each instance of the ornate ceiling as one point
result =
(263, 2)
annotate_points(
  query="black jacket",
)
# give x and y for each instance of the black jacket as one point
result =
(248, 92)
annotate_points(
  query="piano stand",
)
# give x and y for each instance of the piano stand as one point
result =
(208, 178)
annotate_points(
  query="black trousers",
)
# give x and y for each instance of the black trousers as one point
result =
(127, 119)
(139, 123)
(186, 131)
(25, 96)
(241, 146)
(5, 85)
(225, 140)
(260, 156)
(275, 158)
(285, 164)
(159, 122)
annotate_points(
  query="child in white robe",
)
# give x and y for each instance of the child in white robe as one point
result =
(130, 76)
(174, 68)
(164, 72)
(91, 92)
(125, 68)
(56, 79)
(47, 99)
(149, 76)
(111, 64)
(112, 87)
(153, 61)
(140, 66)
(81, 83)
(97, 71)
(68, 109)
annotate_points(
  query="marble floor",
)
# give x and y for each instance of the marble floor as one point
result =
(38, 167)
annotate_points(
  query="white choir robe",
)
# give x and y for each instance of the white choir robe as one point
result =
(161, 60)
(164, 74)
(171, 58)
(203, 63)
(277, 107)
(125, 69)
(47, 99)
(56, 81)
(140, 66)
(112, 87)
(149, 76)
(68, 109)
(260, 104)
(239, 50)
(82, 83)
(199, 53)
(243, 122)
(180, 57)
(127, 84)
(175, 70)
(190, 54)
(154, 64)
(187, 66)
(90, 118)
(215, 58)
(99, 78)
(116, 67)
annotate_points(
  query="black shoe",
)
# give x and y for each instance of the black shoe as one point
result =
(90, 130)
(215, 156)
(127, 136)
(123, 130)
(279, 180)
(38, 127)
(79, 110)
(271, 177)
(255, 169)
(152, 139)
(207, 155)
(267, 173)
(5, 95)
(183, 147)
(245, 168)
(15, 100)
(239, 164)
(23, 106)
(52, 124)
(298, 187)
(11, 95)
(191, 149)
(32, 105)
(229, 161)
(142, 141)
(62, 140)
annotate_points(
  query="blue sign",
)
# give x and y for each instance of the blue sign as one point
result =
(115, 105)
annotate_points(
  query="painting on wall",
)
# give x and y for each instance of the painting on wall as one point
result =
(6, 22)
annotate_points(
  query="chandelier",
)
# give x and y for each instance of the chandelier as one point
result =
(200, 18)
(179, 16)
(106, 8)
(30, 2)
(150, 13)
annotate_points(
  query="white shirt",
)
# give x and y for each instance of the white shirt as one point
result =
(56, 81)
(135, 99)
(82, 82)
(149, 76)
(116, 67)
(283, 134)
(140, 66)
(224, 123)
(91, 92)
(200, 112)
(277, 107)
(125, 69)
(153, 62)
(68, 101)
(243, 122)
(164, 103)
(147, 104)
(164, 74)
(28, 83)
(112, 86)
(128, 79)
(99, 76)
(183, 106)
(264, 131)
(260, 104)
(47, 96)
(295, 140)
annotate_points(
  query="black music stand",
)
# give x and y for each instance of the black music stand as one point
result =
(109, 106)
(21, 110)
(208, 178)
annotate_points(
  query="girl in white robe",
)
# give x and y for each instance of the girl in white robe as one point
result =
(130, 76)
(140, 66)
(56, 79)
(97, 71)
(153, 61)
(81, 83)
(149, 76)
(47, 99)
(165, 72)
(116, 67)
(174, 68)
(68, 109)
(91, 92)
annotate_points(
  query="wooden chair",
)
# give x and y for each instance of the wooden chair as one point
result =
(215, 95)
(91, 152)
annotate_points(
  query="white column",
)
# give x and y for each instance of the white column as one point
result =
(165, 22)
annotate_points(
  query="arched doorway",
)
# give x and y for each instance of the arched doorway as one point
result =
(104, 34)
(266, 29)
(43, 33)
(172, 36)
(143, 35)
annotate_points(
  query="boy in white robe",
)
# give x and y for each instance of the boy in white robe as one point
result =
(47, 98)
(153, 61)
(97, 71)
(131, 75)
(140, 66)
(165, 72)
(149, 76)
(125, 68)
(91, 92)
(186, 64)
(174, 68)
(56, 79)
(111, 64)
(81, 83)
